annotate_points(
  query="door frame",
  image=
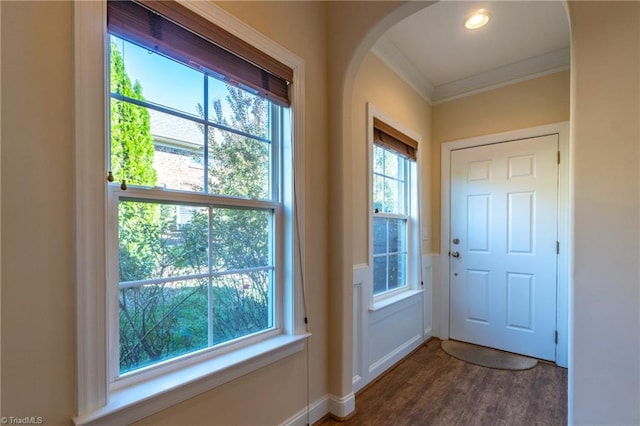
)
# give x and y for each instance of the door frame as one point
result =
(564, 257)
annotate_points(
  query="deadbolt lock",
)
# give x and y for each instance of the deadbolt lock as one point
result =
(456, 241)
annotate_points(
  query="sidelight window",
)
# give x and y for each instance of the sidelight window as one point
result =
(394, 198)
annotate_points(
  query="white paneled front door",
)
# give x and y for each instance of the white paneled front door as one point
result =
(503, 254)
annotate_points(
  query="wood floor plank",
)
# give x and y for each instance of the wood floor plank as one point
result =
(432, 388)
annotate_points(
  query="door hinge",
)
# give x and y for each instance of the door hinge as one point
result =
(557, 247)
(558, 157)
(556, 337)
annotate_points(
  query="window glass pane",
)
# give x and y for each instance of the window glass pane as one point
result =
(397, 235)
(162, 321)
(238, 109)
(397, 267)
(155, 78)
(161, 240)
(132, 149)
(378, 159)
(392, 196)
(238, 165)
(242, 304)
(391, 164)
(378, 193)
(240, 238)
(402, 269)
(380, 235)
(389, 190)
(179, 152)
(379, 274)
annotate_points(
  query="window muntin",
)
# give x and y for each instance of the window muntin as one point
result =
(391, 219)
(191, 275)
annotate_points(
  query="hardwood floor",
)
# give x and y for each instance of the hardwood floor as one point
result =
(432, 388)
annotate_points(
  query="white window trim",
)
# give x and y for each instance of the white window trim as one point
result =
(95, 404)
(414, 277)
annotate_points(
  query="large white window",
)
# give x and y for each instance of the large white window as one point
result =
(395, 253)
(187, 264)
(195, 251)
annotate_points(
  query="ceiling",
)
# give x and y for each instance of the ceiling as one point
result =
(442, 60)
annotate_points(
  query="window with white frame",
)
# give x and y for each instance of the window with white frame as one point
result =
(197, 260)
(188, 264)
(394, 209)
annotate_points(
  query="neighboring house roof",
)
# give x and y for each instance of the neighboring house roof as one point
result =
(174, 131)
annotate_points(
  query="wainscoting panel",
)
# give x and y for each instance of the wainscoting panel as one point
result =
(385, 335)
(394, 332)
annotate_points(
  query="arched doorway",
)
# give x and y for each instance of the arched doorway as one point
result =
(342, 183)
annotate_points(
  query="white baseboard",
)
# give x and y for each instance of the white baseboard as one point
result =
(428, 333)
(316, 410)
(328, 404)
(342, 406)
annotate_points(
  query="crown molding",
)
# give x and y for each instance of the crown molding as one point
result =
(537, 66)
(526, 69)
(394, 59)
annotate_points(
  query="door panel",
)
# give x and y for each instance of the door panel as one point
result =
(504, 218)
(478, 295)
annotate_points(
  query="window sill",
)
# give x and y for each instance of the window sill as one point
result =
(143, 399)
(391, 300)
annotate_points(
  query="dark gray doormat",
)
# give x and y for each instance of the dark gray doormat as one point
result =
(487, 357)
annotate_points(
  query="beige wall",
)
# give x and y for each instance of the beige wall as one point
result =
(530, 103)
(38, 352)
(605, 137)
(377, 84)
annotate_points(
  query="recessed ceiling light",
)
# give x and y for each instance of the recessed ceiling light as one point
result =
(477, 19)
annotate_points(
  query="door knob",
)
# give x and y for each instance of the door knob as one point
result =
(455, 254)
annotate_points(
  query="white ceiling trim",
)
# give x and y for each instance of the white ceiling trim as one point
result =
(526, 69)
(394, 59)
(530, 68)
(499, 85)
